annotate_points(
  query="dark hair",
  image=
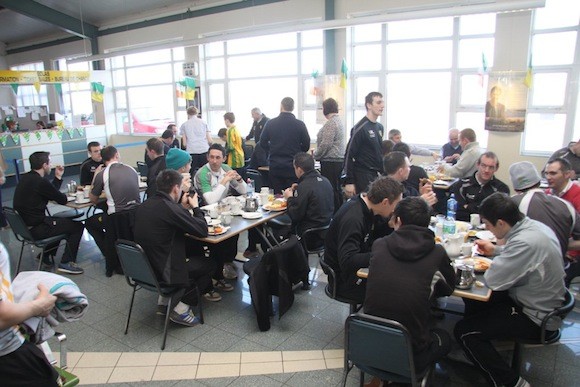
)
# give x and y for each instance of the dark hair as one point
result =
(222, 132)
(230, 117)
(387, 147)
(393, 161)
(384, 187)
(500, 206)
(402, 147)
(565, 165)
(167, 179)
(108, 153)
(155, 145)
(489, 155)
(369, 98)
(171, 126)
(413, 211)
(41, 123)
(38, 159)
(329, 105)
(468, 134)
(304, 160)
(92, 144)
(218, 147)
(167, 134)
(287, 104)
(394, 132)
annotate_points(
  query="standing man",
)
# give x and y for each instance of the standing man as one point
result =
(155, 153)
(283, 137)
(235, 151)
(90, 165)
(258, 125)
(467, 163)
(363, 161)
(451, 151)
(120, 183)
(196, 136)
(527, 280)
(30, 199)
(471, 191)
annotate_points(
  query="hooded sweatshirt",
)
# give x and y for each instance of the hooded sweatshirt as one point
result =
(407, 269)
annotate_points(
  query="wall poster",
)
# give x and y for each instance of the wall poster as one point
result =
(505, 109)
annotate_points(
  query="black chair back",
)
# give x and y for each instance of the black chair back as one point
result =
(248, 152)
(19, 228)
(142, 168)
(136, 266)
(313, 239)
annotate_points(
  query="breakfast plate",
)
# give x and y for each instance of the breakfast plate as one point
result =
(71, 198)
(486, 236)
(251, 215)
(268, 207)
(213, 222)
(481, 264)
(221, 230)
(82, 201)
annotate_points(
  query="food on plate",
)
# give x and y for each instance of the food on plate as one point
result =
(438, 239)
(215, 229)
(471, 233)
(481, 264)
(278, 204)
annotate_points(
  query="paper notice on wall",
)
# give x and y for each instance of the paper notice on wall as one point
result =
(21, 112)
(8, 110)
(34, 116)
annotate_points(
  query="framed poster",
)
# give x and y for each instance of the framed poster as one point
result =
(505, 110)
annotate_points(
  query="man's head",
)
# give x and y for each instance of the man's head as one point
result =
(11, 125)
(499, 213)
(191, 111)
(287, 105)
(495, 92)
(387, 147)
(215, 157)
(524, 176)
(575, 148)
(374, 104)
(229, 119)
(403, 147)
(466, 136)
(558, 172)
(94, 149)
(329, 106)
(169, 182)
(154, 148)
(303, 163)
(109, 154)
(412, 211)
(167, 136)
(487, 165)
(256, 114)
(397, 165)
(453, 137)
(223, 134)
(395, 135)
(40, 161)
(173, 128)
(383, 194)
(178, 160)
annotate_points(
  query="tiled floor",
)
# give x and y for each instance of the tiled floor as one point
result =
(304, 348)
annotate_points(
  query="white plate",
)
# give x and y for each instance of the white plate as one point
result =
(224, 230)
(461, 226)
(83, 201)
(251, 215)
(486, 236)
(213, 222)
(71, 198)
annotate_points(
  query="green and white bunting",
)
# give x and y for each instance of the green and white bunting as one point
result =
(16, 138)
(4, 139)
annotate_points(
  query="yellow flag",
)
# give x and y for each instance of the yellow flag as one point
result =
(529, 76)
(37, 86)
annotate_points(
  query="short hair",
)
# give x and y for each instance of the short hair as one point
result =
(108, 153)
(41, 123)
(218, 147)
(155, 145)
(230, 117)
(413, 210)
(489, 155)
(565, 165)
(402, 147)
(92, 144)
(171, 126)
(192, 111)
(38, 159)
(468, 134)
(287, 104)
(500, 206)
(329, 105)
(387, 147)
(304, 160)
(369, 98)
(256, 110)
(384, 187)
(167, 134)
(222, 132)
(393, 133)
(393, 161)
(167, 179)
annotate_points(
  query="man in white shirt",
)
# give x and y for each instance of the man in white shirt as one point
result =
(196, 136)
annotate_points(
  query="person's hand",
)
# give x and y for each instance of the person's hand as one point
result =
(425, 186)
(484, 247)
(186, 183)
(288, 192)
(349, 190)
(44, 302)
(435, 155)
(430, 198)
(441, 169)
(229, 176)
(58, 172)
(190, 201)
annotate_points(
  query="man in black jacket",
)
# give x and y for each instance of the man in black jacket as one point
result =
(154, 150)
(260, 121)
(90, 165)
(160, 227)
(351, 234)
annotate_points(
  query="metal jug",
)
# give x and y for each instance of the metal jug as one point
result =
(464, 276)
(251, 204)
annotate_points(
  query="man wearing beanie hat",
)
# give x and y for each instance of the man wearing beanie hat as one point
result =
(180, 161)
(554, 212)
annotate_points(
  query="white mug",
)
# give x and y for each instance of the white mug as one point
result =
(80, 196)
(213, 212)
(475, 220)
(466, 249)
(87, 191)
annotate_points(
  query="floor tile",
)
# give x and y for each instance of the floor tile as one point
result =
(258, 357)
(261, 368)
(220, 358)
(304, 365)
(93, 375)
(175, 372)
(217, 370)
(98, 359)
(302, 355)
(131, 374)
(176, 358)
(141, 359)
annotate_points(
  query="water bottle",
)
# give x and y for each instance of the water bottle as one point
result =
(451, 207)
(448, 227)
(250, 189)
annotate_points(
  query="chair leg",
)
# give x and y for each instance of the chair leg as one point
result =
(517, 357)
(361, 379)
(40, 260)
(169, 306)
(199, 305)
(130, 309)
(20, 259)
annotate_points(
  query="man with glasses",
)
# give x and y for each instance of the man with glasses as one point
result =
(471, 191)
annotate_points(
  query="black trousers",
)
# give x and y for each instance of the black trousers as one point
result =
(219, 253)
(95, 225)
(54, 226)
(332, 170)
(362, 179)
(280, 182)
(440, 346)
(200, 270)
(27, 366)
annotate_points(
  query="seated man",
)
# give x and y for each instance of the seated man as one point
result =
(90, 165)
(21, 362)
(398, 167)
(471, 191)
(572, 154)
(166, 139)
(154, 150)
(466, 165)
(451, 151)
(527, 280)
(559, 174)
(30, 199)
(416, 173)
(396, 137)
(409, 265)
(350, 237)
(160, 227)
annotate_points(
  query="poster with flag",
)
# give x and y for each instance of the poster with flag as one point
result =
(343, 74)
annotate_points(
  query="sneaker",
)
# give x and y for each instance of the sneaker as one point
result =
(251, 254)
(161, 310)
(212, 296)
(188, 318)
(222, 285)
(230, 271)
(522, 383)
(69, 268)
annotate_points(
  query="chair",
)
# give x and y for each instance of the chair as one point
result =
(248, 152)
(256, 176)
(330, 288)
(69, 214)
(561, 312)
(382, 348)
(139, 275)
(309, 238)
(23, 235)
(142, 168)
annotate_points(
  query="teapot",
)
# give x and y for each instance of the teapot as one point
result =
(464, 274)
(453, 245)
(251, 204)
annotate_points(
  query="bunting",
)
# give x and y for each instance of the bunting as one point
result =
(97, 90)
(343, 74)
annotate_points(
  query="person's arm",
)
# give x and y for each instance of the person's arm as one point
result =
(297, 203)
(50, 191)
(98, 186)
(465, 163)
(415, 150)
(252, 132)
(325, 139)
(13, 313)
(183, 135)
(349, 251)
(208, 135)
(183, 220)
(508, 267)
(445, 276)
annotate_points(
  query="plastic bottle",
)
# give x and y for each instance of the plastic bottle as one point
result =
(250, 189)
(451, 207)
(449, 222)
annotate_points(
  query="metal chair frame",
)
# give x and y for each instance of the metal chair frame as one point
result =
(304, 239)
(353, 305)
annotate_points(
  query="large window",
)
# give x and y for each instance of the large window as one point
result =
(429, 71)
(76, 102)
(553, 103)
(27, 94)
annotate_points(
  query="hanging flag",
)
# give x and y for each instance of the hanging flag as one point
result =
(189, 88)
(49, 134)
(37, 86)
(529, 76)
(58, 88)
(343, 74)
(483, 69)
(14, 87)
(97, 89)
(15, 138)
